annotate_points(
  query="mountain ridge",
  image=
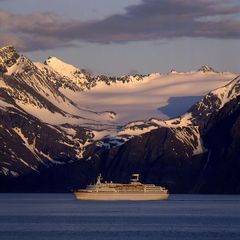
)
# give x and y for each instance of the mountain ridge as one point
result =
(44, 132)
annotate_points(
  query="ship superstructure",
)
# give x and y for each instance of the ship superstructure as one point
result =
(134, 190)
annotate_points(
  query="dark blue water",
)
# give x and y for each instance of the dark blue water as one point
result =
(61, 217)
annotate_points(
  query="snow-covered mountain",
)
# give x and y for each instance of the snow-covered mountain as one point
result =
(57, 120)
(134, 97)
(38, 94)
(156, 95)
(196, 152)
(39, 125)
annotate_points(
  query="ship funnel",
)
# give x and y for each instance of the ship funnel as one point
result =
(135, 177)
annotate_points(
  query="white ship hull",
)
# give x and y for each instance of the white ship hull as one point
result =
(117, 196)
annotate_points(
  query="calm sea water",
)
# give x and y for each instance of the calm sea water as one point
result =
(61, 217)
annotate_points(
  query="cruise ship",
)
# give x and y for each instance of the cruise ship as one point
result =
(133, 191)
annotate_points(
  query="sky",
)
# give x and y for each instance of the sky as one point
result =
(117, 37)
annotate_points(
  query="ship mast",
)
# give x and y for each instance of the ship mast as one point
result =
(99, 178)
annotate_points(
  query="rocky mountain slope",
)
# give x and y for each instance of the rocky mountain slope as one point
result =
(52, 141)
(197, 152)
(39, 125)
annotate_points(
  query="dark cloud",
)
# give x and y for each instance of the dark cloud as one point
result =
(150, 20)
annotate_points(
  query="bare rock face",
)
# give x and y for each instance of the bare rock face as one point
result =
(221, 171)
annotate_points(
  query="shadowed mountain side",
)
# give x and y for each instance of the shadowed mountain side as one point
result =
(179, 105)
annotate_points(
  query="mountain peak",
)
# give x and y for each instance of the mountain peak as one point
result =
(59, 66)
(7, 48)
(65, 69)
(206, 68)
(52, 59)
(8, 56)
